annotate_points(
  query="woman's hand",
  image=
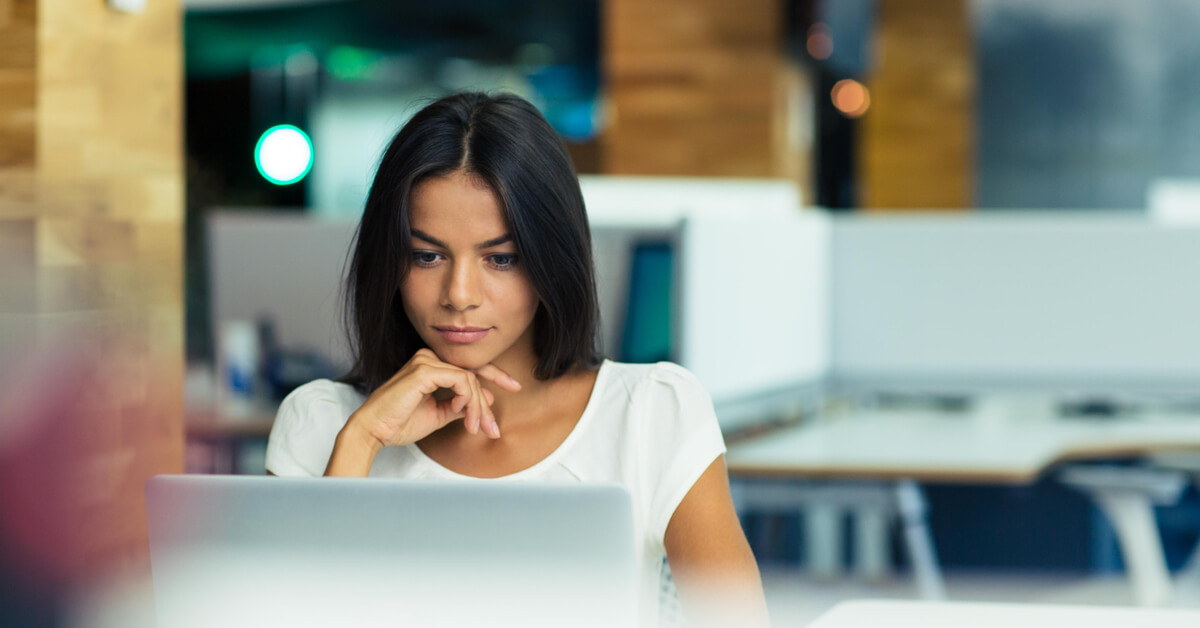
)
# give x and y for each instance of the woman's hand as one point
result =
(408, 407)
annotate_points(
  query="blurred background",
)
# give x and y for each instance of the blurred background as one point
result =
(977, 218)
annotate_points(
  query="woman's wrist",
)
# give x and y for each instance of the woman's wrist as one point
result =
(358, 430)
(354, 451)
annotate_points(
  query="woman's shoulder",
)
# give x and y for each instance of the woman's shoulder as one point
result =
(321, 395)
(306, 426)
(649, 378)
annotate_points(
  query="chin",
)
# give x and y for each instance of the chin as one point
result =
(464, 357)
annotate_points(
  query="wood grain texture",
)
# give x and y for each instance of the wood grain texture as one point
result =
(918, 143)
(91, 228)
(696, 87)
(18, 81)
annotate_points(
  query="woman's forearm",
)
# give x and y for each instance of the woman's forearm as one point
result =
(354, 452)
(720, 597)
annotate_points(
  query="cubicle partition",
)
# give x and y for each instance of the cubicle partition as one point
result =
(766, 297)
(754, 311)
(285, 267)
(746, 288)
(1097, 303)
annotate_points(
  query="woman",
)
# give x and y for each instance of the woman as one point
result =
(473, 315)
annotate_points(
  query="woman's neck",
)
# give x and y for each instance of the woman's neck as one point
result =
(530, 404)
(511, 407)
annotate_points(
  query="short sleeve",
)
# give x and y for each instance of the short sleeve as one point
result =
(305, 428)
(680, 439)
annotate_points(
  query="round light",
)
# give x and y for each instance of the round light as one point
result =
(820, 42)
(851, 98)
(284, 154)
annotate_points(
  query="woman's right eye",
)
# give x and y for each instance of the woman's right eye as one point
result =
(425, 259)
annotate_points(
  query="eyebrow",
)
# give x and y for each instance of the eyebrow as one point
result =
(482, 245)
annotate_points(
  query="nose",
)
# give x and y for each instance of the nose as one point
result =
(463, 290)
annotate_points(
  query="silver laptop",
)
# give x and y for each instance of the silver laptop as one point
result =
(259, 552)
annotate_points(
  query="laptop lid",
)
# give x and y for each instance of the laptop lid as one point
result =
(261, 551)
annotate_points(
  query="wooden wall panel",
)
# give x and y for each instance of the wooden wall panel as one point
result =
(695, 88)
(917, 149)
(91, 225)
(18, 91)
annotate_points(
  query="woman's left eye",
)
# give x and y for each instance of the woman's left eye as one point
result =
(503, 260)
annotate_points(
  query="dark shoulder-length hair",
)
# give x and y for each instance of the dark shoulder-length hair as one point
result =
(506, 143)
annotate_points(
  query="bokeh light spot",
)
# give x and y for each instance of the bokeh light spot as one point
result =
(284, 154)
(820, 42)
(851, 98)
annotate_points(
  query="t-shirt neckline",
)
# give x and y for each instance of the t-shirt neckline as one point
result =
(588, 411)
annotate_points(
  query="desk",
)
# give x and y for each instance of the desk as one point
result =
(904, 614)
(910, 446)
(931, 446)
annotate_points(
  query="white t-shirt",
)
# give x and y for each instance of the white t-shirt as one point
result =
(648, 427)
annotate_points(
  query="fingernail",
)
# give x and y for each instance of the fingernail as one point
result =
(495, 430)
(514, 381)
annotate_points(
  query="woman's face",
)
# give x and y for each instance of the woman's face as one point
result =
(466, 293)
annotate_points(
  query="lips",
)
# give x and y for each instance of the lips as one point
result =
(462, 335)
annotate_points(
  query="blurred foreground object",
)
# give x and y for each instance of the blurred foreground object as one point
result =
(70, 525)
(1174, 201)
(91, 317)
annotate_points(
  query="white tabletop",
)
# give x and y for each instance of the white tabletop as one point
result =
(902, 614)
(960, 447)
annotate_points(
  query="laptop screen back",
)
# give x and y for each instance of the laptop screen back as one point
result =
(255, 552)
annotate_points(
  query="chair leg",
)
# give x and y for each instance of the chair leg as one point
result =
(1132, 516)
(912, 507)
(871, 542)
(823, 539)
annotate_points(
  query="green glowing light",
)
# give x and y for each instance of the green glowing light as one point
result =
(284, 154)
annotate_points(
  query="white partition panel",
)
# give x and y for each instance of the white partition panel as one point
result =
(1098, 302)
(284, 266)
(626, 210)
(754, 301)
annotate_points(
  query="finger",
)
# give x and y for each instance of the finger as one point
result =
(432, 378)
(494, 430)
(493, 374)
(458, 405)
(470, 406)
(490, 425)
(482, 422)
(421, 357)
(488, 396)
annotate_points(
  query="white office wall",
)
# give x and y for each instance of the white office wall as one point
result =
(350, 133)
